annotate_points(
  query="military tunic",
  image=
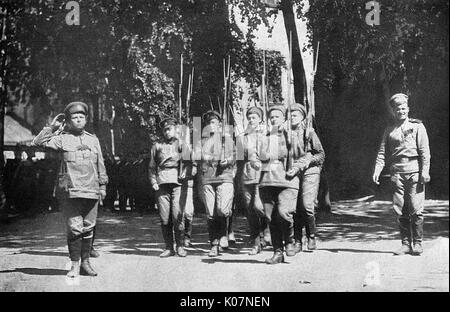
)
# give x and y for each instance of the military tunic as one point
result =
(406, 148)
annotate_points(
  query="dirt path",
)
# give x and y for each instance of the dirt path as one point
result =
(355, 254)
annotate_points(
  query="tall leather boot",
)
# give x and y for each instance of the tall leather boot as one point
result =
(85, 268)
(288, 237)
(299, 224)
(230, 233)
(417, 234)
(168, 241)
(179, 239)
(187, 232)
(276, 235)
(74, 244)
(213, 231)
(405, 236)
(222, 223)
(266, 230)
(311, 232)
(94, 253)
(256, 249)
(277, 242)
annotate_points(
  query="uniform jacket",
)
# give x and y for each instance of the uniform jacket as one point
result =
(405, 147)
(165, 160)
(247, 145)
(82, 173)
(211, 150)
(307, 147)
(273, 155)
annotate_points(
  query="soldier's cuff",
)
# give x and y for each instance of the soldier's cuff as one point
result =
(103, 187)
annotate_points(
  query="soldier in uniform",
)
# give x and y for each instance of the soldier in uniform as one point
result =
(405, 145)
(81, 182)
(311, 160)
(217, 170)
(249, 177)
(169, 184)
(187, 193)
(279, 185)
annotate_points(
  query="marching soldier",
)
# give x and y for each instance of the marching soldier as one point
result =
(187, 194)
(311, 160)
(405, 145)
(249, 177)
(82, 180)
(279, 185)
(169, 185)
(217, 169)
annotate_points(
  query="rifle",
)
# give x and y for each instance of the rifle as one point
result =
(187, 131)
(226, 77)
(290, 159)
(180, 113)
(264, 92)
(310, 113)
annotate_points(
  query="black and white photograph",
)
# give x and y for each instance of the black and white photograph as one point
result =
(224, 150)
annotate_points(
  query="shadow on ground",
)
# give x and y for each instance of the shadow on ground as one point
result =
(374, 220)
(141, 235)
(36, 271)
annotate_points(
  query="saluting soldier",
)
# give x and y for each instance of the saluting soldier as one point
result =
(217, 169)
(311, 159)
(405, 146)
(279, 185)
(249, 176)
(82, 180)
(169, 184)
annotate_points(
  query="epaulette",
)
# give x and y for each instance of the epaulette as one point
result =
(413, 120)
(89, 133)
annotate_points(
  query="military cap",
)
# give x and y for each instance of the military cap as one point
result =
(76, 107)
(168, 121)
(298, 107)
(211, 115)
(280, 108)
(398, 99)
(255, 110)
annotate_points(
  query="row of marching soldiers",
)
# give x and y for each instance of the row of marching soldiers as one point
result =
(278, 172)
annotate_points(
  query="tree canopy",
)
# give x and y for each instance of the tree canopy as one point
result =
(125, 55)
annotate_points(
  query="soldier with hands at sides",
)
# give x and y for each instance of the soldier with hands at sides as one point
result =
(405, 146)
(169, 184)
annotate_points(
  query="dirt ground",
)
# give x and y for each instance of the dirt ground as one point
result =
(354, 254)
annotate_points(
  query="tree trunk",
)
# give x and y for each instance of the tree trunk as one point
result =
(297, 61)
(3, 86)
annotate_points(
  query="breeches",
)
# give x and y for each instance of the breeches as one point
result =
(171, 204)
(279, 202)
(80, 215)
(218, 199)
(408, 194)
(309, 188)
